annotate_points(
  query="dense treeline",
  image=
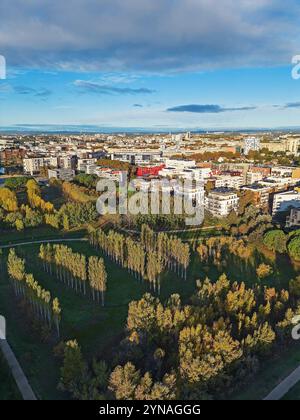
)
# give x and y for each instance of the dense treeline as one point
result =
(217, 249)
(76, 193)
(11, 215)
(72, 215)
(16, 183)
(38, 211)
(44, 308)
(34, 197)
(277, 241)
(145, 259)
(86, 180)
(8, 200)
(201, 350)
(75, 270)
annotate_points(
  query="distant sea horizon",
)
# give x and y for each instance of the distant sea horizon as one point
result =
(39, 129)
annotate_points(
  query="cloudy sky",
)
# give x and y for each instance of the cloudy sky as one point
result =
(150, 63)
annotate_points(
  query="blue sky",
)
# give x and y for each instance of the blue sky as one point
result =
(168, 63)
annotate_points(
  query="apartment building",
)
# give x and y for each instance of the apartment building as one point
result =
(62, 173)
(293, 220)
(33, 165)
(51, 161)
(253, 177)
(68, 162)
(251, 144)
(196, 192)
(180, 164)
(135, 156)
(228, 181)
(286, 172)
(261, 194)
(221, 201)
(82, 164)
(8, 143)
(285, 201)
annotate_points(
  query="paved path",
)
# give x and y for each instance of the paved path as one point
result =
(42, 241)
(17, 372)
(285, 386)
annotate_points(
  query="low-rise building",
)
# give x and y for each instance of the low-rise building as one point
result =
(253, 177)
(293, 220)
(62, 173)
(285, 201)
(82, 164)
(33, 165)
(261, 195)
(229, 181)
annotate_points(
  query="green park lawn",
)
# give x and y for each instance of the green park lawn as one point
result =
(39, 233)
(8, 387)
(294, 394)
(99, 329)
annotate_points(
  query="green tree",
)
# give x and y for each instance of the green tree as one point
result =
(275, 240)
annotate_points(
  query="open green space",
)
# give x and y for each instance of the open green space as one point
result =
(98, 329)
(36, 234)
(294, 394)
(8, 387)
(271, 374)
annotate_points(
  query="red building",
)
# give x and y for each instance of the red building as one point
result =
(149, 171)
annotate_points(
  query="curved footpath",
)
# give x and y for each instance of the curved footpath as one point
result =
(285, 386)
(277, 394)
(17, 372)
(13, 364)
(42, 241)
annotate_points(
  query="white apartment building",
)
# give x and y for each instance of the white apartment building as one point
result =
(91, 169)
(135, 156)
(7, 143)
(282, 171)
(51, 161)
(251, 143)
(275, 182)
(180, 164)
(293, 220)
(188, 172)
(285, 201)
(229, 181)
(253, 177)
(63, 174)
(83, 163)
(220, 202)
(33, 165)
(196, 193)
(65, 162)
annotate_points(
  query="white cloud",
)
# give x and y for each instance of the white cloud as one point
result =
(156, 35)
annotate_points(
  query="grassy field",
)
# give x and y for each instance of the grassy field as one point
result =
(8, 388)
(39, 233)
(294, 394)
(271, 374)
(99, 329)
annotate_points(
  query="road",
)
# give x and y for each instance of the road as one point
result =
(285, 386)
(17, 372)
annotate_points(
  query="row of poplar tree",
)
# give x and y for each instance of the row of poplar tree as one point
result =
(75, 270)
(44, 308)
(145, 259)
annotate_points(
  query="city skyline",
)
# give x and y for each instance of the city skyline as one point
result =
(196, 67)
